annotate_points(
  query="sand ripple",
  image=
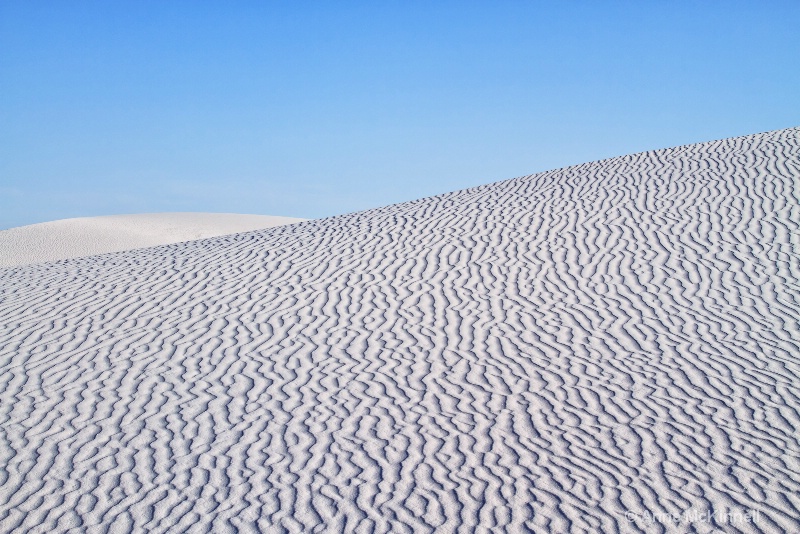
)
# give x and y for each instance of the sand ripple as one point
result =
(596, 348)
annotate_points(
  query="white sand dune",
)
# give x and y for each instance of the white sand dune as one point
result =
(87, 236)
(601, 348)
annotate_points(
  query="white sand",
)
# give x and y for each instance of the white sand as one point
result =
(600, 348)
(87, 236)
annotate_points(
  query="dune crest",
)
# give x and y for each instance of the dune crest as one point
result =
(87, 236)
(610, 347)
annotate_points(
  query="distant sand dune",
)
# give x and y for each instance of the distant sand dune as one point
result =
(610, 347)
(87, 236)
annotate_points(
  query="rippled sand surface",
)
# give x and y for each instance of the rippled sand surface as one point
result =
(610, 347)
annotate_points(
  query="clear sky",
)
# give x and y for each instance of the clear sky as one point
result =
(311, 109)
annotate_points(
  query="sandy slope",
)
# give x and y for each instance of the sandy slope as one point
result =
(86, 236)
(590, 349)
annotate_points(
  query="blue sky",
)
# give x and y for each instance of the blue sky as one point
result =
(312, 109)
